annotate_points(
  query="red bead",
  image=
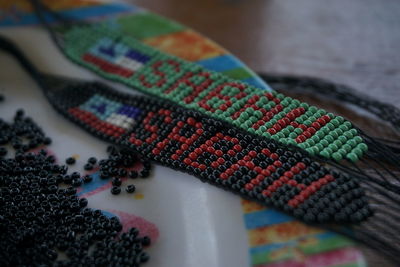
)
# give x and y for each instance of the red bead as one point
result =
(187, 161)
(237, 147)
(288, 174)
(278, 163)
(266, 151)
(193, 155)
(307, 134)
(292, 182)
(249, 186)
(156, 151)
(247, 158)
(274, 156)
(195, 164)
(219, 153)
(253, 154)
(214, 164)
(266, 173)
(258, 169)
(271, 168)
(301, 165)
(250, 165)
(260, 177)
(293, 203)
(254, 181)
(223, 176)
(266, 193)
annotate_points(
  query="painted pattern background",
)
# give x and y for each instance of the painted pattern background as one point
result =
(274, 239)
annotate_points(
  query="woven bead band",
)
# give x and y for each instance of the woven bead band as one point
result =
(252, 166)
(264, 113)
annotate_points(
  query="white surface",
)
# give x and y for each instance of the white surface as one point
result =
(200, 225)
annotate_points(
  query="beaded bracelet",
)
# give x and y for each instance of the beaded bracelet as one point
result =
(264, 113)
(246, 164)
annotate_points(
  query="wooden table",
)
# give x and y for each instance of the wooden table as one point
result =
(351, 42)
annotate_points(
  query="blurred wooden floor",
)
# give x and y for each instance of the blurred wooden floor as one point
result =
(351, 42)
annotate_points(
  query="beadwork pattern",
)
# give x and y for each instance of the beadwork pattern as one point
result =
(254, 167)
(267, 114)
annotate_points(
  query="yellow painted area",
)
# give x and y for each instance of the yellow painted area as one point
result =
(138, 196)
(200, 47)
(250, 206)
(280, 233)
(76, 156)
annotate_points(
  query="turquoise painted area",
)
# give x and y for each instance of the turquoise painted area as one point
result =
(229, 62)
(96, 183)
(264, 218)
(220, 63)
(257, 82)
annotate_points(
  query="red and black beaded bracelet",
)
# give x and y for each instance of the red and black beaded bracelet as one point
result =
(255, 168)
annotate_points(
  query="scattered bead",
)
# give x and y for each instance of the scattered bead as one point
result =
(130, 188)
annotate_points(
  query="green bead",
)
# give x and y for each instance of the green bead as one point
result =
(335, 122)
(358, 139)
(363, 147)
(304, 105)
(328, 150)
(329, 139)
(330, 126)
(310, 151)
(337, 156)
(315, 138)
(338, 143)
(340, 119)
(325, 154)
(342, 139)
(292, 135)
(352, 157)
(324, 143)
(334, 135)
(313, 109)
(291, 142)
(333, 147)
(319, 147)
(342, 152)
(347, 147)
(298, 131)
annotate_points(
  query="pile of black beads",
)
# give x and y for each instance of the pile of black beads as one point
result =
(119, 165)
(43, 222)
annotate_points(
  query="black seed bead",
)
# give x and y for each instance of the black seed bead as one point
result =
(130, 188)
(88, 167)
(115, 190)
(70, 161)
(92, 160)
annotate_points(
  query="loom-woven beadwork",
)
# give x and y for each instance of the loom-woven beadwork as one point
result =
(267, 114)
(254, 167)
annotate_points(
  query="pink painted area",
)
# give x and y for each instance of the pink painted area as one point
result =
(330, 258)
(145, 227)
